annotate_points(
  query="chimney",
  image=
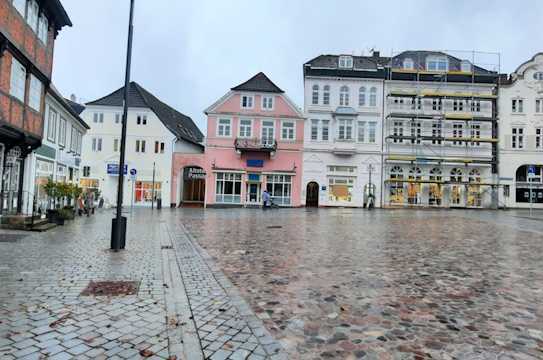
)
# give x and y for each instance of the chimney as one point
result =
(73, 98)
(376, 54)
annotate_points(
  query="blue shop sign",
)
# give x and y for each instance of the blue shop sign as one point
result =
(113, 169)
(255, 163)
(254, 177)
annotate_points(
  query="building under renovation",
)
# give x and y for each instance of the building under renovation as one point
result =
(440, 130)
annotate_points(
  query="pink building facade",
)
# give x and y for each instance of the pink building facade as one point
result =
(254, 142)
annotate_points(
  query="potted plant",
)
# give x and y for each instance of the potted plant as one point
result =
(51, 190)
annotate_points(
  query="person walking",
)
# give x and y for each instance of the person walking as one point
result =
(266, 199)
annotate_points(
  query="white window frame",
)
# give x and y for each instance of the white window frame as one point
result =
(35, 93)
(345, 62)
(96, 144)
(268, 102)
(63, 124)
(223, 178)
(290, 130)
(437, 61)
(224, 127)
(250, 128)
(539, 138)
(517, 137)
(539, 106)
(280, 183)
(118, 118)
(373, 96)
(315, 94)
(141, 119)
(18, 80)
(372, 132)
(32, 14)
(347, 126)
(326, 95)
(325, 125)
(266, 140)
(116, 144)
(362, 96)
(73, 139)
(344, 95)
(43, 28)
(314, 130)
(251, 97)
(517, 105)
(52, 125)
(361, 131)
(408, 64)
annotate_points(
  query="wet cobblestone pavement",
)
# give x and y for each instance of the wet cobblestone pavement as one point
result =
(347, 284)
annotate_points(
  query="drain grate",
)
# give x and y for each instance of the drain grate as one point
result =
(274, 227)
(111, 288)
(11, 238)
(163, 247)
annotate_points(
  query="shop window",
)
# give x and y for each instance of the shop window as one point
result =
(474, 188)
(456, 186)
(396, 192)
(414, 187)
(144, 191)
(435, 191)
(341, 189)
(280, 188)
(228, 188)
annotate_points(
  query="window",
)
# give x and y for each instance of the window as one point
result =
(140, 146)
(517, 105)
(314, 129)
(539, 106)
(539, 138)
(287, 130)
(458, 105)
(34, 96)
(437, 104)
(341, 189)
(268, 136)
(465, 66)
(341, 169)
(538, 75)
(456, 189)
(245, 128)
(117, 118)
(408, 64)
(435, 193)
(247, 101)
(115, 145)
(43, 28)
(416, 132)
(458, 130)
(144, 192)
(436, 133)
(224, 127)
(280, 188)
(437, 63)
(414, 189)
(362, 131)
(315, 95)
(396, 187)
(325, 130)
(344, 96)
(52, 125)
(372, 131)
(362, 96)
(32, 15)
(346, 62)
(79, 142)
(326, 95)
(397, 131)
(96, 144)
(267, 102)
(141, 120)
(62, 131)
(228, 188)
(475, 134)
(475, 106)
(373, 96)
(98, 117)
(345, 129)
(159, 147)
(517, 140)
(86, 171)
(73, 140)
(20, 5)
(18, 80)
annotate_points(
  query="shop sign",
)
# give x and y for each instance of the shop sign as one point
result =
(255, 163)
(113, 169)
(193, 173)
(254, 177)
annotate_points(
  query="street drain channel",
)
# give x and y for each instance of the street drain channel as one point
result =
(11, 238)
(274, 227)
(111, 288)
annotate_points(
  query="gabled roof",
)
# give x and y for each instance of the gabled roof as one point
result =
(66, 105)
(78, 108)
(261, 83)
(179, 124)
(56, 11)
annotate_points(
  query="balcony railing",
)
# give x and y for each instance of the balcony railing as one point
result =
(255, 145)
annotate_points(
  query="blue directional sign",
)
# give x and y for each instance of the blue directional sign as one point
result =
(133, 172)
(113, 169)
(531, 170)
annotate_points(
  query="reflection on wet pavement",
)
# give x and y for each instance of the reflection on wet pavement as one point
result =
(347, 283)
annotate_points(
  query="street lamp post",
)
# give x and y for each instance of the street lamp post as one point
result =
(118, 228)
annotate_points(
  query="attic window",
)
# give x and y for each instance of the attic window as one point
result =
(465, 66)
(538, 75)
(437, 63)
(345, 62)
(408, 64)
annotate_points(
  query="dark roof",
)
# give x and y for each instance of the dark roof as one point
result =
(67, 105)
(363, 66)
(57, 13)
(78, 108)
(419, 61)
(179, 124)
(260, 82)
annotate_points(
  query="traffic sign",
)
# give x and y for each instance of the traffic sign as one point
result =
(133, 172)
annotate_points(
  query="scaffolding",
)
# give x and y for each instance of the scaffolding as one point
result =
(440, 129)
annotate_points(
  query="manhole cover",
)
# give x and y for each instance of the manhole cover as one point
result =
(111, 288)
(10, 238)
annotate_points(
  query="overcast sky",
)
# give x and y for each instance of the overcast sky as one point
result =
(190, 52)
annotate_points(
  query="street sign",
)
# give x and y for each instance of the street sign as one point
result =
(113, 169)
(133, 172)
(531, 171)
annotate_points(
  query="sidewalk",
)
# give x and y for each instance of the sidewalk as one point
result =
(183, 307)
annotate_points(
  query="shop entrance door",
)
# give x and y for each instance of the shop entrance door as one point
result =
(312, 195)
(253, 193)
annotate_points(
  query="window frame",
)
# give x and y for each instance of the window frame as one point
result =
(236, 182)
(266, 139)
(229, 126)
(344, 95)
(17, 4)
(270, 99)
(290, 129)
(345, 62)
(35, 93)
(437, 60)
(51, 136)
(373, 97)
(32, 14)
(245, 136)
(246, 96)
(326, 94)
(315, 94)
(362, 96)
(43, 28)
(344, 124)
(18, 76)
(62, 128)
(408, 64)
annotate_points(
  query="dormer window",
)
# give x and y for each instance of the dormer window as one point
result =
(437, 63)
(345, 62)
(465, 66)
(408, 64)
(538, 75)
(247, 101)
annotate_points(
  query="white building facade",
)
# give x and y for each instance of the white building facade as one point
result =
(521, 136)
(343, 104)
(440, 132)
(153, 129)
(59, 156)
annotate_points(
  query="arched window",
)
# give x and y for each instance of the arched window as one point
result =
(408, 64)
(456, 175)
(362, 96)
(415, 173)
(315, 95)
(326, 95)
(373, 96)
(396, 172)
(435, 174)
(344, 96)
(475, 176)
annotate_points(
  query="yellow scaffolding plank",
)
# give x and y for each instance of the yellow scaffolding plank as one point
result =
(457, 95)
(402, 158)
(470, 139)
(414, 181)
(414, 158)
(450, 116)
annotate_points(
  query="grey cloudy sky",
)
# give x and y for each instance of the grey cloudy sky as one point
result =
(189, 53)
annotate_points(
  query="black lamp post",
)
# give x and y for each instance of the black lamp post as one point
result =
(118, 228)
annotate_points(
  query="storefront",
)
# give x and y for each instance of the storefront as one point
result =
(193, 184)
(143, 192)
(228, 188)
(44, 173)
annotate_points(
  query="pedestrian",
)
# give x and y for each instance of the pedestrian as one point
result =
(80, 205)
(266, 199)
(89, 202)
